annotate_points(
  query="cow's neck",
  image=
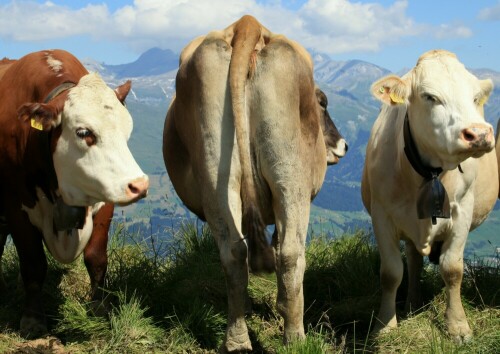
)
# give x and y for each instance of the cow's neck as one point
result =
(432, 201)
(45, 145)
(65, 217)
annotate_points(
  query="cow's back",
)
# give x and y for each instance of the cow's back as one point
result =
(199, 142)
(4, 65)
(25, 79)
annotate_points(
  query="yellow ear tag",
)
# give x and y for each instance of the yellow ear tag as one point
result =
(483, 100)
(36, 125)
(395, 98)
(381, 89)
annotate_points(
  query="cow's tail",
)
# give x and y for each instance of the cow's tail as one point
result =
(247, 34)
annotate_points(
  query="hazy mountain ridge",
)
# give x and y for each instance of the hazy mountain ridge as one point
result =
(351, 106)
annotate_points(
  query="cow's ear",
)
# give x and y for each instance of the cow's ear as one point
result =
(41, 116)
(123, 90)
(486, 89)
(391, 90)
(322, 99)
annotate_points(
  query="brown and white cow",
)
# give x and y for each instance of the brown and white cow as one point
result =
(63, 154)
(435, 112)
(243, 145)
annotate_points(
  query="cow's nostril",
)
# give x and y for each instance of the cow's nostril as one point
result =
(138, 187)
(468, 136)
(133, 189)
(346, 147)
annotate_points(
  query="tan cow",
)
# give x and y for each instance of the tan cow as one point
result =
(498, 151)
(432, 119)
(243, 145)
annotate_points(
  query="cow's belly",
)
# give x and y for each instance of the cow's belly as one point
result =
(421, 231)
(64, 246)
(486, 188)
(180, 168)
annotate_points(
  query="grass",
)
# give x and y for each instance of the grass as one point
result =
(170, 297)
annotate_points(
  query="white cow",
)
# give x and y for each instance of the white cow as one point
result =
(438, 105)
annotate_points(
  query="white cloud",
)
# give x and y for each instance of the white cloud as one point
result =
(446, 31)
(490, 13)
(332, 26)
(30, 21)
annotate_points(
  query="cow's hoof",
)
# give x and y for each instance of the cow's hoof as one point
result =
(99, 308)
(459, 330)
(233, 347)
(379, 328)
(237, 344)
(460, 334)
(462, 339)
(33, 327)
(293, 336)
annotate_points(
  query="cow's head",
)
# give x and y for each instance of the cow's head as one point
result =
(445, 108)
(336, 146)
(91, 127)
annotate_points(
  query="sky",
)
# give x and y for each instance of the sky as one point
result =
(388, 33)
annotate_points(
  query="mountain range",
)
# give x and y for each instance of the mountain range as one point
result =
(337, 208)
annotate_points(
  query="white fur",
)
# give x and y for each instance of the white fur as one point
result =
(101, 172)
(54, 64)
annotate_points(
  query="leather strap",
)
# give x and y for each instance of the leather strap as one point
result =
(432, 201)
(58, 90)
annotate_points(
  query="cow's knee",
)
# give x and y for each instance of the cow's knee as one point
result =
(391, 275)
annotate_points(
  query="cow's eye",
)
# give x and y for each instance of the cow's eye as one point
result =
(87, 135)
(430, 98)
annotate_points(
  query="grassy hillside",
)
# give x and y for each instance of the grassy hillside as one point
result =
(170, 297)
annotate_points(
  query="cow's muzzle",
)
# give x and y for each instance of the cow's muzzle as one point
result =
(137, 189)
(478, 137)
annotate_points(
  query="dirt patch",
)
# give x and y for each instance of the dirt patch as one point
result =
(49, 345)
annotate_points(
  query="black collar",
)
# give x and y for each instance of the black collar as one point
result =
(411, 152)
(432, 201)
(59, 89)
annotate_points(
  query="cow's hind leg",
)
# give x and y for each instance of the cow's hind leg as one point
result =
(415, 263)
(96, 258)
(233, 253)
(292, 220)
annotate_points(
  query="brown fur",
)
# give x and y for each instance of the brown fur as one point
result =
(5, 64)
(25, 164)
(244, 81)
